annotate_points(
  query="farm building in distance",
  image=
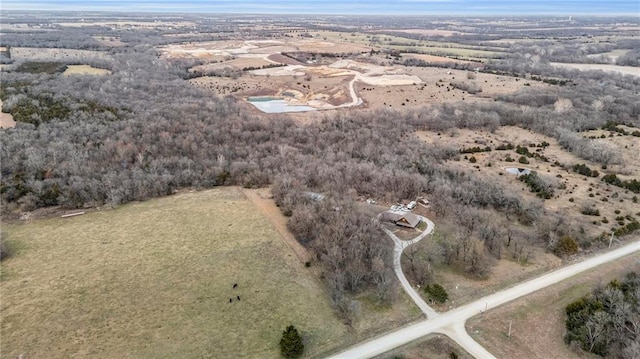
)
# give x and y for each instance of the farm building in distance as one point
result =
(404, 219)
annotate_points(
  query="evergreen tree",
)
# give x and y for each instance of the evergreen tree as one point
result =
(566, 246)
(291, 343)
(437, 293)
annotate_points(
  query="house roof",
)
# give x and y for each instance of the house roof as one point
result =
(407, 219)
(411, 219)
(392, 216)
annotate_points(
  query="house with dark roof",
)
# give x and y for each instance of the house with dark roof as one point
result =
(400, 218)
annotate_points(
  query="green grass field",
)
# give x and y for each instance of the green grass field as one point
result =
(153, 280)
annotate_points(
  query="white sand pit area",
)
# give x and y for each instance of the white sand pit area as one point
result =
(390, 80)
(289, 70)
(207, 50)
(239, 54)
(376, 75)
(367, 73)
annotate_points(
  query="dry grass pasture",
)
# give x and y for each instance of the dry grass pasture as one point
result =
(403, 44)
(426, 32)
(55, 54)
(153, 280)
(573, 191)
(625, 70)
(109, 41)
(84, 70)
(537, 320)
(237, 63)
(435, 87)
(373, 319)
(612, 55)
(436, 59)
(505, 273)
(123, 24)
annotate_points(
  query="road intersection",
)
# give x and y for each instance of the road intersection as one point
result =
(452, 323)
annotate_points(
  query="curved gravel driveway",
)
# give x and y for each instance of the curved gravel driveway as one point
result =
(400, 245)
(452, 322)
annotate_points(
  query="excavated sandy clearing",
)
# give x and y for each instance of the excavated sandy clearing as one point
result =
(6, 119)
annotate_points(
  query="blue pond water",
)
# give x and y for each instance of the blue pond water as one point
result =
(263, 99)
(276, 105)
(518, 171)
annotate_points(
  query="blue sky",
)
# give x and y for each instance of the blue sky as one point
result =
(414, 7)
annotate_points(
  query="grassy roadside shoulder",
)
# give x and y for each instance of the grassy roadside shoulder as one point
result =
(537, 320)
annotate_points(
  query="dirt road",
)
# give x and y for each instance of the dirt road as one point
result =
(452, 322)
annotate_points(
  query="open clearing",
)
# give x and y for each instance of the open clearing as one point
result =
(612, 55)
(84, 70)
(203, 50)
(6, 119)
(403, 44)
(625, 70)
(131, 24)
(109, 41)
(506, 272)
(538, 319)
(436, 88)
(322, 81)
(437, 59)
(153, 280)
(572, 191)
(55, 54)
(425, 32)
(238, 55)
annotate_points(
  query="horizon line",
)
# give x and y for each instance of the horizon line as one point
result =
(410, 14)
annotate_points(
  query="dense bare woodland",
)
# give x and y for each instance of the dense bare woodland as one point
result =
(144, 132)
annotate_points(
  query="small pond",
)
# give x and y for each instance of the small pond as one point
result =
(277, 105)
(263, 98)
(518, 171)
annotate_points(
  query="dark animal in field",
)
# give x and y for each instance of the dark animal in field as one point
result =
(238, 297)
(235, 286)
(230, 300)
